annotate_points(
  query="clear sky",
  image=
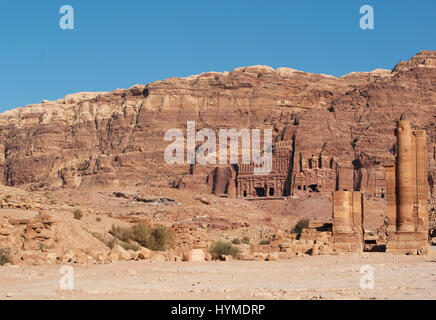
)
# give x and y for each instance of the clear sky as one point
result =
(116, 44)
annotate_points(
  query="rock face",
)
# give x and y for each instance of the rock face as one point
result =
(342, 127)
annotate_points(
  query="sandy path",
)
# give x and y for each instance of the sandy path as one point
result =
(318, 277)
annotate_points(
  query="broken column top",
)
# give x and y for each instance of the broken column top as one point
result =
(420, 133)
(404, 125)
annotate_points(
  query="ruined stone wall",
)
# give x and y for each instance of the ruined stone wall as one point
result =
(347, 221)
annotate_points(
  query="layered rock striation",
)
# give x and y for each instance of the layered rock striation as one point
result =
(341, 128)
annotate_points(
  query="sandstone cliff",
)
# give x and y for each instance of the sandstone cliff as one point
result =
(117, 137)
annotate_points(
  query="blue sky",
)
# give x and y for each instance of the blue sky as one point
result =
(116, 44)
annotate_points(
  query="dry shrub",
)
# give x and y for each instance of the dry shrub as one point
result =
(5, 256)
(156, 239)
(222, 248)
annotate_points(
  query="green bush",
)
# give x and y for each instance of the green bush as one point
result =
(302, 224)
(264, 242)
(5, 256)
(77, 214)
(236, 241)
(223, 248)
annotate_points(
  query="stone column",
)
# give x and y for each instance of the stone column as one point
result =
(405, 194)
(391, 198)
(314, 163)
(357, 212)
(415, 199)
(343, 211)
(421, 180)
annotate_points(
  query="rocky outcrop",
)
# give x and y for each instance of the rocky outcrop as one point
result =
(117, 137)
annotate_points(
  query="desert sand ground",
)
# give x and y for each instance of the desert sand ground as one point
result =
(311, 277)
(301, 277)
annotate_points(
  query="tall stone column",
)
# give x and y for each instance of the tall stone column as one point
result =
(343, 211)
(357, 212)
(421, 180)
(414, 168)
(347, 221)
(405, 196)
(391, 198)
(412, 193)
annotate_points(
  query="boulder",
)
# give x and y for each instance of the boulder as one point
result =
(158, 257)
(51, 256)
(272, 256)
(134, 255)
(245, 257)
(260, 256)
(315, 250)
(145, 253)
(69, 257)
(412, 252)
(226, 258)
(286, 255)
(207, 256)
(99, 256)
(285, 245)
(423, 251)
(194, 255)
(119, 253)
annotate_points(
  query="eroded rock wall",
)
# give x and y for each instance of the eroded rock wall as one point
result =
(117, 137)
